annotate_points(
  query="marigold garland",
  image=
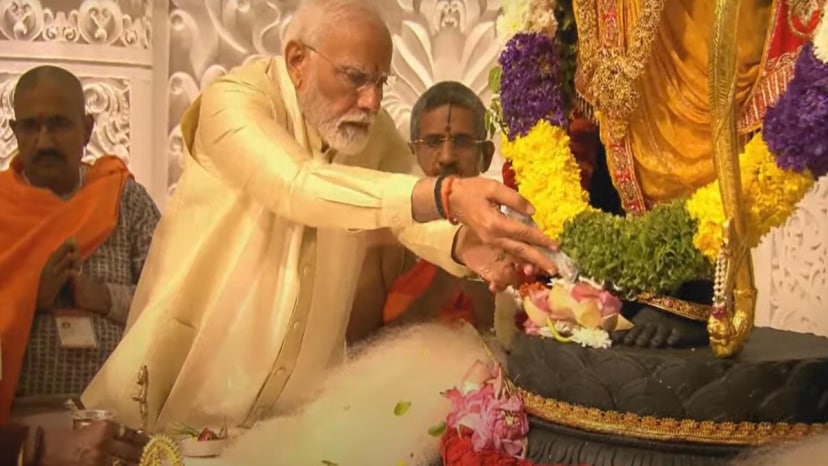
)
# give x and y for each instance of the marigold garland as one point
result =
(770, 194)
(549, 176)
(660, 250)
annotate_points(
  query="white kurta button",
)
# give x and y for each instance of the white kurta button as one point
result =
(280, 372)
(297, 326)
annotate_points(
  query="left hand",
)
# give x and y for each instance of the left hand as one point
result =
(495, 266)
(91, 295)
(102, 443)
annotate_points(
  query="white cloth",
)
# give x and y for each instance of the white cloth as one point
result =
(246, 292)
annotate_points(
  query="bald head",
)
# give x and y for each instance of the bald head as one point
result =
(51, 127)
(68, 83)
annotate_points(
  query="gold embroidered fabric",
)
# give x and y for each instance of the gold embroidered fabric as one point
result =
(669, 132)
(679, 307)
(663, 429)
(245, 296)
(614, 70)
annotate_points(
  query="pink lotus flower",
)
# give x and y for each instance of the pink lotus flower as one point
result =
(609, 304)
(468, 401)
(484, 405)
(504, 427)
(466, 409)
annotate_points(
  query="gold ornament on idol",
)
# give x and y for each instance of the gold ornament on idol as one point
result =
(613, 72)
(734, 303)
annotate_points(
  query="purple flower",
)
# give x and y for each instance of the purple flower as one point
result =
(529, 87)
(796, 128)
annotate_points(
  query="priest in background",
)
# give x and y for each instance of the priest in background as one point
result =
(245, 298)
(448, 137)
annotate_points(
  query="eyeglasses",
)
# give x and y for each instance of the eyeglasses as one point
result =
(460, 142)
(357, 79)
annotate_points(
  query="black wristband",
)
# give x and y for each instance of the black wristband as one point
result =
(438, 196)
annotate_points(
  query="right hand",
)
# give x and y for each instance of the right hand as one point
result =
(474, 202)
(62, 264)
(98, 444)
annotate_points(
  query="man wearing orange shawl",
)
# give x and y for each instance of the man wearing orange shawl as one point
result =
(448, 137)
(61, 221)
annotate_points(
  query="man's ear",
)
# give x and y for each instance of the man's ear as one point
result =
(88, 127)
(486, 153)
(295, 60)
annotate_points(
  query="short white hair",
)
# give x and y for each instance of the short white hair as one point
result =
(314, 18)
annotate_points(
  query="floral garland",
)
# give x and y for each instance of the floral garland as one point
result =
(525, 16)
(677, 242)
(487, 425)
(484, 407)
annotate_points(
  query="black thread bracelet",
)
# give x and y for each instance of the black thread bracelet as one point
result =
(438, 196)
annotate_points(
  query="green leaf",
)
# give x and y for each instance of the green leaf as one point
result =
(653, 252)
(490, 125)
(494, 79)
(436, 431)
(329, 463)
(401, 407)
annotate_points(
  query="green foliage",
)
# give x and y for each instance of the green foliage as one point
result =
(494, 115)
(494, 79)
(649, 253)
(494, 118)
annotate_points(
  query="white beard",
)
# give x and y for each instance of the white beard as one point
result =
(345, 139)
(352, 421)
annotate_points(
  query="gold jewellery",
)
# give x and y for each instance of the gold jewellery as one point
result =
(663, 429)
(613, 72)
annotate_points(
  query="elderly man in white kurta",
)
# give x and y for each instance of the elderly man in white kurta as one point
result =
(246, 291)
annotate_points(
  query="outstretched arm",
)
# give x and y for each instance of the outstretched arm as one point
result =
(242, 138)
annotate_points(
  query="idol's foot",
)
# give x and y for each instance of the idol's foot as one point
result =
(655, 328)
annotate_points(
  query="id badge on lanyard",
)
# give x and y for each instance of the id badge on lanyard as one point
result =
(75, 329)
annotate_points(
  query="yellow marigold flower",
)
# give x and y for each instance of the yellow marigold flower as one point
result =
(769, 194)
(548, 176)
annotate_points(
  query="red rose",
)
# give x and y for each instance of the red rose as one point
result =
(456, 450)
(508, 175)
(584, 142)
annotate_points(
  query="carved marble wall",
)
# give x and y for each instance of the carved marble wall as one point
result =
(792, 269)
(434, 40)
(143, 61)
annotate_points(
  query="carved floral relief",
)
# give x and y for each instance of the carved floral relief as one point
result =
(126, 23)
(434, 40)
